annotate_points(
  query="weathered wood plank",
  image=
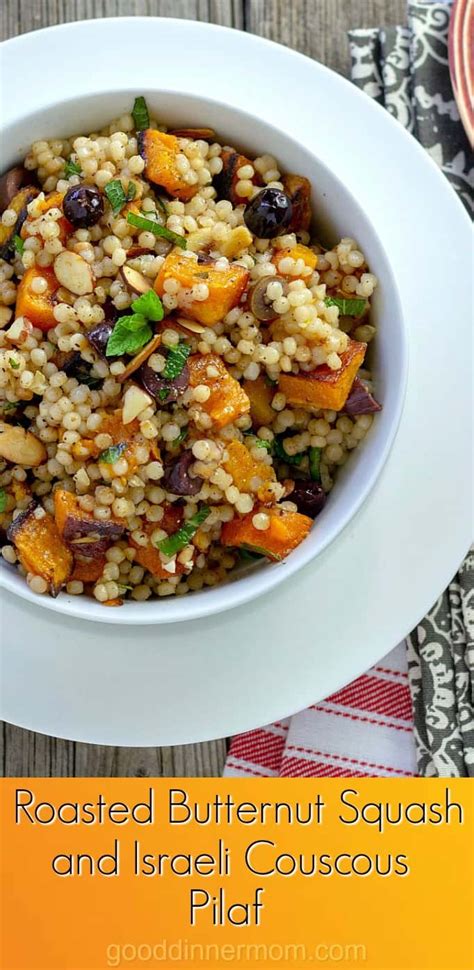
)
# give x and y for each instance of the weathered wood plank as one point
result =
(17, 17)
(318, 28)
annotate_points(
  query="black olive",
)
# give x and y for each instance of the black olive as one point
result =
(83, 206)
(98, 336)
(309, 498)
(165, 390)
(268, 213)
(177, 479)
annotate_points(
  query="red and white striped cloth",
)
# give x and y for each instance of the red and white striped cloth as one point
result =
(364, 729)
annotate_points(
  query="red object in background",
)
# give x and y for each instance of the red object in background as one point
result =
(461, 61)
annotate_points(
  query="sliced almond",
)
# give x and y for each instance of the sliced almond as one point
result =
(190, 325)
(21, 447)
(139, 358)
(238, 240)
(19, 331)
(203, 134)
(135, 401)
(72, 271)
(135, 280)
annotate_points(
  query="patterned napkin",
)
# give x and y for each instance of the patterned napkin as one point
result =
(367, 728)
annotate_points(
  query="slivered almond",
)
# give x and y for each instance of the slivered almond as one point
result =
(139, 358)
(21, 447)
(72, 271)
(135, 280)
(134, 402)
(204, 134)
(190, 325)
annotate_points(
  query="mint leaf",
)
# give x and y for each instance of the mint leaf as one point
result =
(3, 500)
(150, 305)
(134, 322)
(175, 361)
(181, 437)
(149, 225)
(112, 454)
(14, 364)
(115, 193)
(280, 452)
(9, 405)
(140, 114)
(122, 340)
(349, 307)
(71, 168)
(131, 191)
(18, 244)
(174, 543)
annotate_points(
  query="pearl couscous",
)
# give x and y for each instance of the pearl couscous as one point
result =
(181, 361)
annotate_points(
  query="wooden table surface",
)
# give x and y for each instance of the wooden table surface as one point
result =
(316, 28)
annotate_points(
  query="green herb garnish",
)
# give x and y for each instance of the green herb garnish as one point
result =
(175, 361)
(9, 405)
(174, 543)
(122, 588)
(18, 244)
(280, 452)
(112, 454)
(162, 204)
(140, 114)
(248, 555)
(348, 308)
(14, 364)
(117, 196)
(129, 335)
(3, 500)
(261, 443)
(71, 168)
(181, 437)
(150, 305)
(149, 225)
(314, 455)
(258, 551)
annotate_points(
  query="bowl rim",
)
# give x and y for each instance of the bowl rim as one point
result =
(256, 582)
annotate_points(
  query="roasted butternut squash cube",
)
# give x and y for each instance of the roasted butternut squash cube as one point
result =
(227, 401)
(323, 387)
(260, 394)
(286, 531)
(225, 286)
(88, 570)
(86, 536)
(310, 260)
(159, 152)
(40, 548)
(249, 474)
(299, 190)
(37, 307)
(225, 183)
(54, 200)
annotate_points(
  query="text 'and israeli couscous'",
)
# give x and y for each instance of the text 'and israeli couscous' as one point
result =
(180, 361)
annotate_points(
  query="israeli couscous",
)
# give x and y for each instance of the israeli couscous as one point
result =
(180, 361)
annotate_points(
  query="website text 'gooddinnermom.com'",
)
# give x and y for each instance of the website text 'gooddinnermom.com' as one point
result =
(183, 950)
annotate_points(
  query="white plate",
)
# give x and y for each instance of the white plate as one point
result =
(218, 675)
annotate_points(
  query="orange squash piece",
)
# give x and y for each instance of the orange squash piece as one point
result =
(88, 570)
(249, 474)
(228, 401)
(226, 286)
(299, 190)
(149, 556)
(159, 152)
(323, 387)
(286, 531)
(296, 252)
(37, 307)
(54, 200)
(260, 394)
(120, 433)
(40, 548)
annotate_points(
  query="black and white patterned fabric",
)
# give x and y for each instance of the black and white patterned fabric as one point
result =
(406, 70)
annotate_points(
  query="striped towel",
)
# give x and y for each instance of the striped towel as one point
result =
(364, 729)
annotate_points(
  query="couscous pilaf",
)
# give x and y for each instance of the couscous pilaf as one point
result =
(180, 361)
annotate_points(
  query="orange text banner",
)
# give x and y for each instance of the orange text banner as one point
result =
(370, 873)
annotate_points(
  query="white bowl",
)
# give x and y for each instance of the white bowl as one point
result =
(65, 109)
